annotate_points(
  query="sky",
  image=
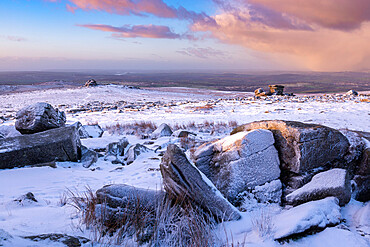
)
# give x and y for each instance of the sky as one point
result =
(263, 35)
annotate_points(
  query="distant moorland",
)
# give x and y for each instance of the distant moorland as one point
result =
(295, 82)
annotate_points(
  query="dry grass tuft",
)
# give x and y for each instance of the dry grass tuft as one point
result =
(140, 129)
(175, 222)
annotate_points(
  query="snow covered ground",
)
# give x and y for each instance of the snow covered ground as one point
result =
(50, 185)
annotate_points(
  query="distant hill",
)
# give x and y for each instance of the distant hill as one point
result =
(296, 82)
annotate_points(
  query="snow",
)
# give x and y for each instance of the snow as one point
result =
(303, 217)
(50, 184)
(328, 183)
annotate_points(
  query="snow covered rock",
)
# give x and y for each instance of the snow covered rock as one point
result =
(162, 130)
(134, 151)
(240, 161)
(91, 83)
(59, 239)
(270, 192)
(88, 157)
(39, 117)
(181, 178)
(116, 149)
(122, 195)
(61, 144)
(308, 216)
(182, 133)
(8, 131)
(334, 182)
(352, 92)
(81, 130)
(117, 201)
(94, 131)
(302, 147)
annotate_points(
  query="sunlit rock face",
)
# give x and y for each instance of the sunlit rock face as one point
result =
(240, 161)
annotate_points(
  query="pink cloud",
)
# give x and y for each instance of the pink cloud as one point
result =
(336, 14)
(137, 7)
(298, 33)
(142, 31)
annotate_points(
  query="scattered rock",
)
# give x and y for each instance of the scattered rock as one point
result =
(28, 198)
(91, 83)
(182, 133)
(39, 117)
(240, 161)
(94, 131)
(260, 92)
(62, 144)
(302, 147)
(334, 182)
(8, 131)
(181, 178)
(161, 131)
(362, 189)
(116, 149)
(88, 157)
(352, 93)
(276, 89)
(127, 197)
(305, 217)
(81, 130)
(120, 203)
(134, 151)
(270, 192)
(69, 241)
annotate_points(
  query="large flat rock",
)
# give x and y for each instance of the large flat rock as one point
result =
(334, 182)
(60, 144)
(309, 216)
(302, 147)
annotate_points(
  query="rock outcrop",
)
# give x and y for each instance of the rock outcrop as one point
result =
(61, 144)
(161, 131)
(181, 178)
(39, 117)
(91, 83)
(302, 147)
(88, 157)
(240, 161)
(81, 130)
(116, 149)
(309, 216)
(334, 183)
(93, 131)
(134, 151)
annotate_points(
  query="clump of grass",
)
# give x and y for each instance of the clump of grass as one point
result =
(207, 126)
(175, 221)
(140, 128)
(263, 224)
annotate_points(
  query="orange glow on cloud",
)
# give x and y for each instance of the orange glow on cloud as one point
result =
(326, 45)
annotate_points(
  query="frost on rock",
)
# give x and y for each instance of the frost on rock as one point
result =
(311, 215)
(334, 182)
(269, 192)
(302, 147)
(183, 179)
(93, 131)
(161, 131)
(240, 161)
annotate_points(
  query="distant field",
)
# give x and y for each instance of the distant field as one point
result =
(297, 82)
